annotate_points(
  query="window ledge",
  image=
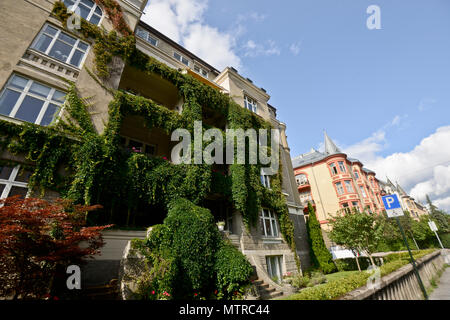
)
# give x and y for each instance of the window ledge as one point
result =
(272, 240)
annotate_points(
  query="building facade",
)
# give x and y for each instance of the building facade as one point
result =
(43, 55)
(334, 182)
(408, 203)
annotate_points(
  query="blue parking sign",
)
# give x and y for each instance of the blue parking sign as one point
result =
(392, 205)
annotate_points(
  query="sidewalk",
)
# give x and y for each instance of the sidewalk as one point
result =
(442, 292)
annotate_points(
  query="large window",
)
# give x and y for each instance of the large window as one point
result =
(13, 181)
(265, 179)
(342, 166)
(363, 191)
(61, 46)
(88, 9)
(269, 227)
(356, 174)
(250, 104)
(144, 34)
(301, 179)
(31, 101)
(349, 186)
(340, 188)
(181, 58)
(333, 169)
(274, 268)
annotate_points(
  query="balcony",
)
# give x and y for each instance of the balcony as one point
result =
(303, 184)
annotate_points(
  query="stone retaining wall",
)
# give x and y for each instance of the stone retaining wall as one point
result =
(402, 284)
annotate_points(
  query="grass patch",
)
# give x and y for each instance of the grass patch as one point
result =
(339, 275)
(345, 282)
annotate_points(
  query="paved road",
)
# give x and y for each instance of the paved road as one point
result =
(442, 292)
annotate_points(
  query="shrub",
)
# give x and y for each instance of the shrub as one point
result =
(38, 241)
(232, 270)
(349, 264)
(320, 256)
(188, 259)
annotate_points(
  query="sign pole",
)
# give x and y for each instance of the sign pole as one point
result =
(422, 287)
(434, 229)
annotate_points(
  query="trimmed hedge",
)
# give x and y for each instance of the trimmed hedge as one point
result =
(349, 264)
(338, 288)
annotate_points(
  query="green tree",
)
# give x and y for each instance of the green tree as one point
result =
(356, 231)
(439, 216)
(320, 256)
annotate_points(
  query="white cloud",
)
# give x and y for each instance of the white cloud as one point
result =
(268, 48)
(423, 170)
(182, 21)
(295, 48)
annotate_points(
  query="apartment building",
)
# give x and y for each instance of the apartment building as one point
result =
(42, 55)
(333, 182)
(408, 203)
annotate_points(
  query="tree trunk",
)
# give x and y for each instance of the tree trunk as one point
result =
(371, 259)
(357, 263)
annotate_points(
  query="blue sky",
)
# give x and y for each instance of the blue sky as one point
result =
(382, 95)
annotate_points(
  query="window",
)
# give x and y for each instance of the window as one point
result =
(342, 166)
(356, 174)
(30, 101)
(355, 204)
(346, 207)
(305, 196)
(333, 169)
(340, 188)
(144, 34)
(201, 71)
(138, 146)
(301, 179)
(274, 268)
(250, 104)
(61, 46)
(269, 226)
(363, 191)
(265, 179)
(348, 186)
(181, 58)
(88, 9)
(13, 181)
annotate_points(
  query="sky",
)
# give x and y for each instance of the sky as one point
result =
(382, 95)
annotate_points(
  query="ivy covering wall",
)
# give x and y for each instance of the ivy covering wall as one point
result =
(71, 157)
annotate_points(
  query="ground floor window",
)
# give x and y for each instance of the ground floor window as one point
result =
(274, 267)
(13, 181)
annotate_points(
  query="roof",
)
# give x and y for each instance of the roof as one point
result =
(177, 46)
(308, 158)
(330, 147)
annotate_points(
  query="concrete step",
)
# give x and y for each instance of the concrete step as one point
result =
(270, 296)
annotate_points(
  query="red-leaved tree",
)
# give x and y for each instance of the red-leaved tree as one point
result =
(38, 238)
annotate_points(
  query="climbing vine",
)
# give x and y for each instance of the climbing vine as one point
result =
(98, 170)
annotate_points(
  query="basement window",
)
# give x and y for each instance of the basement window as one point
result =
(13, 181)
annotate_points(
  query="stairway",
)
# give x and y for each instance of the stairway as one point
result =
(108, 291)
(265, 291)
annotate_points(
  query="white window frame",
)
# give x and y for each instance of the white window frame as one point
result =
(278, 262)
(269, 215)
(145, 144)
(25, 92)
(201, 71)
(250, 104)
(363, 191)
(12, 183)
(52, 43)
(340, 188)
(181, 58)
(349, 186)
(333, 168)
(147, 36)
(265, 179)
(342, 167)
(75, 5)
(356, 174)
